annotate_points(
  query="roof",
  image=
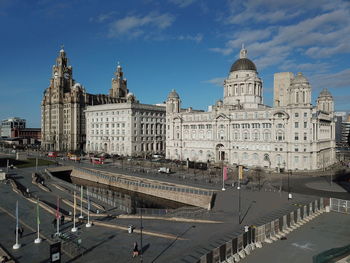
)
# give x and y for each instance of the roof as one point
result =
(173, 95)
(243, 64)
(325, 93)
(300, 79)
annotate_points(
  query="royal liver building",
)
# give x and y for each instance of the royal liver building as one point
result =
(63, 124)
(240, 129)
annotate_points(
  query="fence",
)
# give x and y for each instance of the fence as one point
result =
(148, 185)
(253, 236)
(341, 206)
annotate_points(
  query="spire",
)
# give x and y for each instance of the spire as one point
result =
(243, 52)
(62, 49)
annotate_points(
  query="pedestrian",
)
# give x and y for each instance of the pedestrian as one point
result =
(54, 222)
(20, 231)
(62, 219)
(135, 251)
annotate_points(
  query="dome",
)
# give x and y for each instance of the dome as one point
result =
(243, 64)
(173, 95)
(325, 93)
(300, 79)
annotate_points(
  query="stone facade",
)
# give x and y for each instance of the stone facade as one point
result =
(240, 129)
(128, 129)
(63, 104)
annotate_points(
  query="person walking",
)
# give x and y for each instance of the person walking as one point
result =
(20, 231)
(135, 251)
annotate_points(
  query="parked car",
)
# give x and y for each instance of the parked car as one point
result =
(164, 170)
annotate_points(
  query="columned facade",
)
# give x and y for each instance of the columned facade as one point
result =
(240, 129)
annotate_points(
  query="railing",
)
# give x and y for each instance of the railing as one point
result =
(341, 206)
(146, 185)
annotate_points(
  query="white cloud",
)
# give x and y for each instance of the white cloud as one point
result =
(134, 26)
(339, 79)
(196, 38)
(102, 17)
(324, 34)
(182, 3)
(219, 81)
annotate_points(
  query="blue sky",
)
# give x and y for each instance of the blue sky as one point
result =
(187, 45)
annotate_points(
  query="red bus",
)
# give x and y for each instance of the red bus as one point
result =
(52, 154)
(97, 160)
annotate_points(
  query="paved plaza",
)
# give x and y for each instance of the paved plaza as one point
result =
(164, 239)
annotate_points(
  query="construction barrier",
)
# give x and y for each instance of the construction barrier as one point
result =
(255, 236)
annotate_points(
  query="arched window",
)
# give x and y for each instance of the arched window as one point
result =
(209, 135)
(245, 135)
(221, 135)
(245, 156)
(256, 135)
(267, 135)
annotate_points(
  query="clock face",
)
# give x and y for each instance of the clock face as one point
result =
(56, 74)
(66, 75)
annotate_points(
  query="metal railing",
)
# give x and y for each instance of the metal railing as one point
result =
(341, 206)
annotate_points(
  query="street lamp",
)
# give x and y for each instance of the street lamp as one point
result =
(289, 193)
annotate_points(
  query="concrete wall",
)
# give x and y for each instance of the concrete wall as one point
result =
(179, 193)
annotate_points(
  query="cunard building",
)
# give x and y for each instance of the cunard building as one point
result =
(63, 122)
(240, 129)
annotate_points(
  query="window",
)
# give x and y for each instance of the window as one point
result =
(296, 115)
(305, 136)
(280, 136)
(305, 114)
(296, 136)
(296, 124)
(245, 135)
(296, 159)
(305, 124)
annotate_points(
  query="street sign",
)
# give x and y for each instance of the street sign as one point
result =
(55, 252)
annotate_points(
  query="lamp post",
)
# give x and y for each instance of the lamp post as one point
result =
(141, 252)
(240, 171)
(289, 193)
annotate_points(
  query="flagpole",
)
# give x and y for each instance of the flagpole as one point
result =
(58, 216)
(88, 224)
(16, 246)
(223, 178)
(74, 229)
(38, 239)
(81, 202)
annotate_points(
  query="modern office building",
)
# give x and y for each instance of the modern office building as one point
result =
(240, 129)
(8, 126)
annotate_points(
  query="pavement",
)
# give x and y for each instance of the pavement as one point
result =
(329, 230)
(162, 241)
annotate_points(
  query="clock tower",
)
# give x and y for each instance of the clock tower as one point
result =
(62, 73)
(119, 85)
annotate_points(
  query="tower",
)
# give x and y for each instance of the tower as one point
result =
(325, 101)
(173, 102)
(119, 85)
(299, 92)
(243, 85)
(281, 83)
